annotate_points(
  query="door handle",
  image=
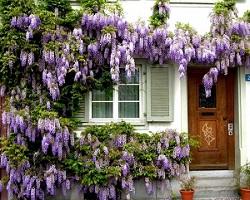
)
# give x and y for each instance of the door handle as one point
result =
(230, 128)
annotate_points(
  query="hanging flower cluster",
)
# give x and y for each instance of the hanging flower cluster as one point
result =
(114, 43)
(228, 43)
(28, 23)
(160, 15)
(182, 50)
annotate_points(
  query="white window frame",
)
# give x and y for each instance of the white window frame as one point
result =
(142, 102)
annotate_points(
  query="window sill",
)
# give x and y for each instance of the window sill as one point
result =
(103, 122)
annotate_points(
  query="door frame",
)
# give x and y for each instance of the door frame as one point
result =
(230, 81)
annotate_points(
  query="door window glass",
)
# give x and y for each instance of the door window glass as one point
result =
(205, 102)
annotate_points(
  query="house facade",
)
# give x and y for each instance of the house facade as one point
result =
(158, 99)
(223, 121)
(155, 98)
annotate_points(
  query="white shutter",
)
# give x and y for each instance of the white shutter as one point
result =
(159, 93)
(83, 114)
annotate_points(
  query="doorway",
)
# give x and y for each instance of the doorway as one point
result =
(211, 120)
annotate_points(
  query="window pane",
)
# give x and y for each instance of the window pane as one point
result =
(102, 109)
(128, 92)
(98, 95)
(124, 102)
(134, 79)
(205, 102)
(128, 95)
(129, 110)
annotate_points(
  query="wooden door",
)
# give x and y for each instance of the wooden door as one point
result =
(208, 120)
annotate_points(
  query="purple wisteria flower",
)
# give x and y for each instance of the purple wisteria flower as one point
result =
(30, 58)
(23, 58)
(2, 90)
(34, 22)
(13, 21)
(163, 162)
(149, 186)
(45, 144)
(161, 173)
(48, 105)
(164, 8)
(4, 160)
(125, 169)
(185, 151)
(120, 140)
(105, 150)
(177, 152)
(208, 83)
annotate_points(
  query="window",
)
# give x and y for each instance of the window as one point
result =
(146, 97)
(123, 103)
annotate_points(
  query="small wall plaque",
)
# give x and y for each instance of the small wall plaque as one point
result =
(247, 77)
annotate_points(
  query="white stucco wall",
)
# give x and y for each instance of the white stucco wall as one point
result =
(197, 15)
(246, 133)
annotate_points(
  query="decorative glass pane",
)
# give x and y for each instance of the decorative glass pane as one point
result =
(98, 95)
(205, 102)
(128, 92)
(129, 110)
(102, 109)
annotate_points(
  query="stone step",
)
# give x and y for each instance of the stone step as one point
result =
(212, 173)
(213, 192)
(211, 185)
(215, 185)
(215, 182)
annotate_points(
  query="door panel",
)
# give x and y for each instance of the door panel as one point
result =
(208, 121)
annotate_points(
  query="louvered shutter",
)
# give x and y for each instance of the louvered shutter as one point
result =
(83, 114)
(159, 93)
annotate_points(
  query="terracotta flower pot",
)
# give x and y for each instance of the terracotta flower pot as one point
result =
(245, 194)
(187, 195)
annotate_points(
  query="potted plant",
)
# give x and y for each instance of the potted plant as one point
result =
(187, 185)
(243, 181)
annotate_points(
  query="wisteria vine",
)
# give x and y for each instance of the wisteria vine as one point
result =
(115, 156)
(50, 59)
